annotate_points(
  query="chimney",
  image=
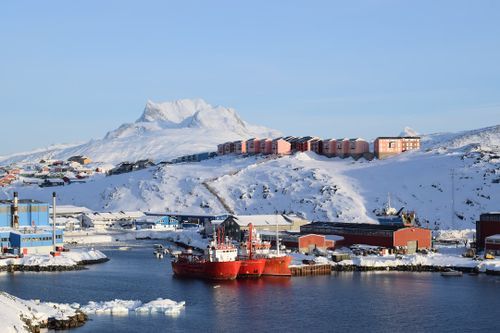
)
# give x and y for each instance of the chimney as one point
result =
(54, 220)
(15, 212)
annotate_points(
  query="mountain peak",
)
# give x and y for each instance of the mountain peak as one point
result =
(408, 131)
(173, 112)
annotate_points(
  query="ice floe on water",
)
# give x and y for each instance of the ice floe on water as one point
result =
(124, 307)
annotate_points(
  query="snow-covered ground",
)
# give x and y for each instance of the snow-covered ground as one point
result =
(13, 309)
(66, 259)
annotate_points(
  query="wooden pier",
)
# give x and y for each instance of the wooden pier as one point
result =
(305, 270)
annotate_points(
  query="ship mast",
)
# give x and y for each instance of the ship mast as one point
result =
(250, 233)
(277, 235)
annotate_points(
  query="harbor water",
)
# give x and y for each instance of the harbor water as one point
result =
(343, 302)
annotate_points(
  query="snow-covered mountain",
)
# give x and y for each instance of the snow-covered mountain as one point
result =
(164, 131)
(320, 188)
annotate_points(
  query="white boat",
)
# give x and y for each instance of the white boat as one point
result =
(451, 272)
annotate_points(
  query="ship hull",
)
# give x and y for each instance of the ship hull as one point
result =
(207, 270)
(277, 266)
(251, 268)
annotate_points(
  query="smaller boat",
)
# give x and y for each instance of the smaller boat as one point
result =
(451, 272)
(124, 248)
(251, 267)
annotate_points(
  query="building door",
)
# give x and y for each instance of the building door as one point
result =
(412, 247)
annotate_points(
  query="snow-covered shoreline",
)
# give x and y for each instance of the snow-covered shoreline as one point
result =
(70, 260)
(412, 262)
(20, 315)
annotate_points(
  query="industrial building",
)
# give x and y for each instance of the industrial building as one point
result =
(104, 220)
(235, 226)
(488, 225)
(390, 236)
(24, 227)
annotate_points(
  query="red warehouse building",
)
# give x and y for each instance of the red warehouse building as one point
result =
(492, 244)
(488, 225)
(390, 236)
(307, 243)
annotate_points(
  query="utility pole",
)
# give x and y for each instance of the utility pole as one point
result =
(453, 197)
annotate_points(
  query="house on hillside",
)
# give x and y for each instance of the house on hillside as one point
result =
(80, 159)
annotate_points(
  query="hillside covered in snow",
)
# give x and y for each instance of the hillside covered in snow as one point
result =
(164, 131)
(319, 188)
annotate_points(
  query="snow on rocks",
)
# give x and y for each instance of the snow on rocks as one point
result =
(20, 315)
(71, 259)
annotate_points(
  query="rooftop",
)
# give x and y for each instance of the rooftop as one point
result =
(358, 226)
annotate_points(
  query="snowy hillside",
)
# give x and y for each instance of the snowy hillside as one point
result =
(163, 132)
(317, 187)
(488, 138)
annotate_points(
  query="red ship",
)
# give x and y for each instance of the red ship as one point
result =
(278, 266)
(276, 263)
(219, 262)
(250, 267)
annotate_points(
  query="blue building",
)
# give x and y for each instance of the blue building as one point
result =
(33, 233)
(32, 213)
(156, 222)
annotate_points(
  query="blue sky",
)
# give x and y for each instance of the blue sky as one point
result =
(72, 70)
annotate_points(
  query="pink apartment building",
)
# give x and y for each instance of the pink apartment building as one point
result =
(410, 143)
(358, 147)
(330, 147)
(228, 147)
(220, 149)
(343, 147)
(281, 147)
(304, 143)
(266, 146)
(253, 146)
(240, 147)
(317, 146)
(386, 146)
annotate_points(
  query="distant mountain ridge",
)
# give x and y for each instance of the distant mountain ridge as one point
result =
(164, 131)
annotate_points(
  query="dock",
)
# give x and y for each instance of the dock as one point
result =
(305, 270)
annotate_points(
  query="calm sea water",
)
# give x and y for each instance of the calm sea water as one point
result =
(352, 302)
